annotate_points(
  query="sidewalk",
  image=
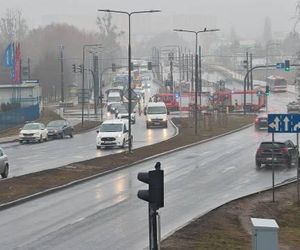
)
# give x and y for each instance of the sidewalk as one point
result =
(8, 139)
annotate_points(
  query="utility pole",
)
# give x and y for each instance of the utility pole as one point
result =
(200, 77)
(251, 73)
(183, 68)
(96, 83)
(187, 67)
(192, 80)
(62, 73)
(179, 64)
(28, 68)
(247, 68)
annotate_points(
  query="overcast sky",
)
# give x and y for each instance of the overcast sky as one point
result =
(246, 16)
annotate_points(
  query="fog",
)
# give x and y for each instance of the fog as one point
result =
(245, 16)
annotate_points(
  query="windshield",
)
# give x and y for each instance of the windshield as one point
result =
(31, 126)
(111, 127)
(56, 124)
(269, 145)
(156, 110)
(114, 99)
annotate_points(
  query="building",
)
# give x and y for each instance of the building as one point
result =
(27, 94)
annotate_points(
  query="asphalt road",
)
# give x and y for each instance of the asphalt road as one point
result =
(34, 157)
(106, 214)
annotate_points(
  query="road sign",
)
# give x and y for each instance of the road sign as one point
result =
(284, 123)
(280, 65)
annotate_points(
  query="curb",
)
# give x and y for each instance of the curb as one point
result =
(59, 188)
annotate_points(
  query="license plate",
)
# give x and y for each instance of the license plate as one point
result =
(270, 159)
(156, 123)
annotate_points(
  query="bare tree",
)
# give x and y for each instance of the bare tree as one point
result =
(13, 26)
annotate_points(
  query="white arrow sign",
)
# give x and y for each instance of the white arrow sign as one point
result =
(286, 123)
(297, 126)
(275, 124)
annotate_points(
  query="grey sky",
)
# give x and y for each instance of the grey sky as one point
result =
(246, 16)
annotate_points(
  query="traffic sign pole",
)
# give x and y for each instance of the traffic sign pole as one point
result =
(298, 169)
(273, 174)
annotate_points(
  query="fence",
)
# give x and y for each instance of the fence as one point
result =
(18, 116)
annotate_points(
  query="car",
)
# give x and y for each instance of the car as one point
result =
(293, 107)
(4, 167)
(261, 121)
(122, 113)
(156, 115)
(284, 153)
(112, 133)
(33, 132)
(114, 106)
(59, 129)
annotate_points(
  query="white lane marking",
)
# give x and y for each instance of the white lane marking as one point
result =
(228, 169)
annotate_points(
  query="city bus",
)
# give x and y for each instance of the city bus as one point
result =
(277, 83)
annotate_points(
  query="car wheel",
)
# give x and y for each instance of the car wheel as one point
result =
(71, 134)
(5, 173)
(46, 138)
(41, 139)
(258, 165)
(21, 141)
(98, 147)
(166, 126)
(62, 135)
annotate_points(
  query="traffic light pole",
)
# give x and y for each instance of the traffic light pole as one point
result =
(153, 244)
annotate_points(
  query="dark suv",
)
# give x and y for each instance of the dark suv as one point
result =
(284, 153)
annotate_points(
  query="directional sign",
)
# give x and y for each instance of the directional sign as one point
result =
(280, 65)
(284, 123)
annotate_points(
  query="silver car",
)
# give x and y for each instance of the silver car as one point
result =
(3, 164)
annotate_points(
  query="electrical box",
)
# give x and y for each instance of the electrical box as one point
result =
(264, 234)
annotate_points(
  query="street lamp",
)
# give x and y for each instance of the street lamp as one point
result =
(83, 71)
(267, 62)
(196, 69)
(129, 14)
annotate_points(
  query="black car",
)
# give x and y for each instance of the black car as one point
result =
(284, 153)
(59, 129)
(261, 122)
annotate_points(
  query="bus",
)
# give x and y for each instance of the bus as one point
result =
(277, 83)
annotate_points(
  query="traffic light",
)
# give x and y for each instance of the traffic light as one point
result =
(155, 194)
(258, 92)
(245, 64)
(74, 68)
(149, 65)
(287, 65)
(80, 68)
(267, 90)
(113, 67)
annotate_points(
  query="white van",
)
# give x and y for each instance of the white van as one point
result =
(112, 133)
(156, 114)
(113, 97)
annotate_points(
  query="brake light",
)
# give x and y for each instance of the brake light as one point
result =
(259, 151)
(284, 150)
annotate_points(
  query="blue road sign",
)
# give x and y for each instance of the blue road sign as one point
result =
(284, 123)
(280, 65)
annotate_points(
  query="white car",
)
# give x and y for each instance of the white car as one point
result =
(33, 131)
(112, 133)
(122, 113)
(3, 164)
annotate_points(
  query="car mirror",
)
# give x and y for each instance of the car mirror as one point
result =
(168, 112)
(126, 131)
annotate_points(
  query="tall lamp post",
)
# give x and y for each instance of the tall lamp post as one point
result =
(196, 69)
(83, 71)
(129, 14)
(267, 62)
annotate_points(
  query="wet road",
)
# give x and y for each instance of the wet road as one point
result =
(106, 214)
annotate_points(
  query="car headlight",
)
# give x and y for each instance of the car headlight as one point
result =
(149, 119)
(20, 134)
(164, 119)
(119, 136)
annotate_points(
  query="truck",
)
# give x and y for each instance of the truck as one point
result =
(233, 100)
(169, 99)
